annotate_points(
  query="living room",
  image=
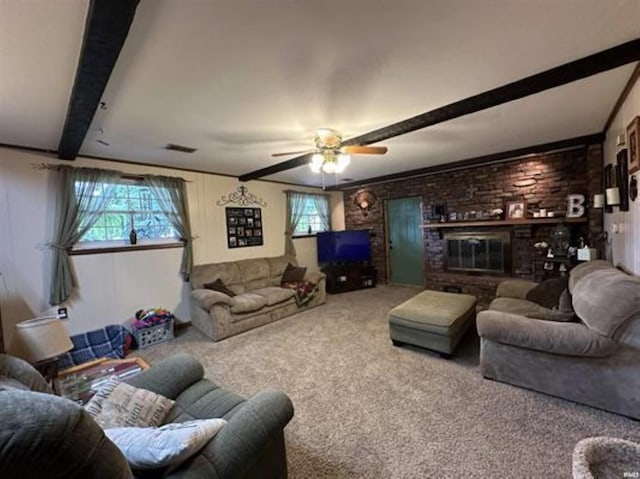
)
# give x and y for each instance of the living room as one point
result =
(247, 81)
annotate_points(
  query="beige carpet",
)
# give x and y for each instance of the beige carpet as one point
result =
(366, 409)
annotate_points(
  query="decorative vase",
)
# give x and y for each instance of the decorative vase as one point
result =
(133, 236)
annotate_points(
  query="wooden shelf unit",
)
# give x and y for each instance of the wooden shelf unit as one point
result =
(493, 223)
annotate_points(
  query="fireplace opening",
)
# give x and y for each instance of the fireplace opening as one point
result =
(487, 253)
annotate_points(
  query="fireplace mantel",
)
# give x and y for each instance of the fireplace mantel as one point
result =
(494, 223)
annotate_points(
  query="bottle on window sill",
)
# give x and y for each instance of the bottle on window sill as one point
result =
(133, 236)
(310, 231)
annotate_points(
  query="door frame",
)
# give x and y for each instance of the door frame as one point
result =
(387, 233)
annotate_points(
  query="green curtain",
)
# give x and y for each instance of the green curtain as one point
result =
(321, 202)
(295, 209)
(82, 195)
(171, 195)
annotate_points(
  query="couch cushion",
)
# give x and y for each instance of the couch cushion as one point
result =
(228, 273)
(219, 286)
(274, 294)
(569, 339)
(252, 269)
(604, 299)
(248, 302)
(583, 269)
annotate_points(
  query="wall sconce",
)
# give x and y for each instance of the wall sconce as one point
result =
(365, 200)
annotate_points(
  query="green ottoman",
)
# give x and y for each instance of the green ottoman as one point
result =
(433, 320)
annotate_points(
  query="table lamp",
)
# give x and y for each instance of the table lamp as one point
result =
(43, 340)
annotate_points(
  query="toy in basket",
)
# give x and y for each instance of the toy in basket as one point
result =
(153, 326)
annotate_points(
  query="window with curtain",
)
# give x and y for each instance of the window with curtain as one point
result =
(314, 215)
(129, 204)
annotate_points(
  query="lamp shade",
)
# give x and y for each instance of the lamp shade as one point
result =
(43, 338)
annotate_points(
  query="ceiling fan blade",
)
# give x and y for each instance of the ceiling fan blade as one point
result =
(277, 168)
(364, 150)
(289, 153)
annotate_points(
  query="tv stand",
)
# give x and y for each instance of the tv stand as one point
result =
(349, 277)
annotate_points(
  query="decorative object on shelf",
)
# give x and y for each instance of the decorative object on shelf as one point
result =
(242, 197)
(244, 227)
(613, 196)
(41, 340)
(440, 212)
(559, 240)
(153, 326)
(598, 200)
(541, 247)
(633, 188)
(575, 206)
(516, 209)
(496, 213)
(133, 236)
(633, 130)
(365, 200)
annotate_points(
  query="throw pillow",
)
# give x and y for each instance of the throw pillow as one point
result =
(117, 404)
(293, 274)
(169, 445)
(219, 286)
(548, 292)
(565, 303)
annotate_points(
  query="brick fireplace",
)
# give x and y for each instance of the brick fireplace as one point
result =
(544, 181)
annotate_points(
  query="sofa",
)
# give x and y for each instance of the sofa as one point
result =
(592, 358)
(259, 299)
(43, 435)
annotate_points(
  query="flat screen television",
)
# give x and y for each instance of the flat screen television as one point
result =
(343, 246)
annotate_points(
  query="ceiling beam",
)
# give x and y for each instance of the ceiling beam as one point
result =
(569, 72)
(503, 156)
(106, 28)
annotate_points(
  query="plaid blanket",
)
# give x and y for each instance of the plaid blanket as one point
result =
(304, 290)
(108, 342)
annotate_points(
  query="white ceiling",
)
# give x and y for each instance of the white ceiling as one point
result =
(241, 79)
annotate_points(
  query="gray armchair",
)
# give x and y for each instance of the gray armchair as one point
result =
(42, 435)
(593, 359)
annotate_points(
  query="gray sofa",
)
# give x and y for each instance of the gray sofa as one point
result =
(259, 298)
(42, 435)
(593, 359)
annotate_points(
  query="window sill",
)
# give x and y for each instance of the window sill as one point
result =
(304, 236)
(100, 247)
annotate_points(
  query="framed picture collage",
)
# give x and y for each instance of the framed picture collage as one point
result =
(244, 227)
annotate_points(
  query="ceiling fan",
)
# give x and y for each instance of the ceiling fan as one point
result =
(330, 155)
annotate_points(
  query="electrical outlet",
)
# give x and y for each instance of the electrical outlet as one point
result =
(62, 313)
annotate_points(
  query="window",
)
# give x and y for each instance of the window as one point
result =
(131, 205)
(314, 215)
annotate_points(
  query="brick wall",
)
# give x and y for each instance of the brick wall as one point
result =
(544, 181)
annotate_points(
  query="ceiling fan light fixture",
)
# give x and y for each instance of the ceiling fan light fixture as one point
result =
(343, 162)
(316, 163)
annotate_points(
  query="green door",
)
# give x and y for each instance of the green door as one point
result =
(405, 244)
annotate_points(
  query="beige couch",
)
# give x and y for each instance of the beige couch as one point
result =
(259, 298)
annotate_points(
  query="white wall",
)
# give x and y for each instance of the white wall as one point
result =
(112, 286)
(625, 245)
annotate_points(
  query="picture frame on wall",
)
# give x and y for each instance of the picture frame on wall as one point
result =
(516, 210)
(633, 130)
(241, 227)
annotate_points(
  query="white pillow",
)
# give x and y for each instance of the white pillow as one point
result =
(171, 444)
(117, 404)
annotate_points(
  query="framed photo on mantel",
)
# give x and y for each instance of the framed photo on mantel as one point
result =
(244, 227)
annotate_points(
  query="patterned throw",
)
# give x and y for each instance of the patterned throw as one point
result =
(108, 342)
(304, 290)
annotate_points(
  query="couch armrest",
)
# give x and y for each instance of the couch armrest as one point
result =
(171, 376)
(206, 298)
(568, 339)
(315, 276)
(515, 288)
(260, 419)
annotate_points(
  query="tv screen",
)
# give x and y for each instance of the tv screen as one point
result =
(343, 246)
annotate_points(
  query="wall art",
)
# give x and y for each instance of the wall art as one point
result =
(244, 227)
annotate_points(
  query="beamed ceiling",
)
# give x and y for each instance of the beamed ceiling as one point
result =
(242, 79)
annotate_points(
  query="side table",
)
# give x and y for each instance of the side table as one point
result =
(80, 383)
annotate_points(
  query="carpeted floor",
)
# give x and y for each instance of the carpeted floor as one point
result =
(366, 409)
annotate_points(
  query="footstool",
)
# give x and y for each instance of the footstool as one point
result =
(433, 320)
